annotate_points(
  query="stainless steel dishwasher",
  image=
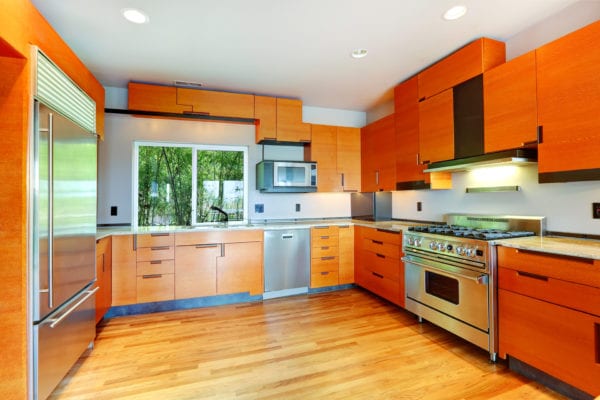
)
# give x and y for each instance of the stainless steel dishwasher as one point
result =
(286, 262)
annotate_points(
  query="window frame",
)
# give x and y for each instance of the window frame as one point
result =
(195, 147)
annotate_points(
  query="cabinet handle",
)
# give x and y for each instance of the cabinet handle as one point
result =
(321, 227)
(379, 255)
(103, 255)
(377, 177)
(135, 242)
(156, 262)
(206, 246)
(159, 234)
(324, 237)
(151, 276)
(324, 247)
(376, 241)
(418, 159)
(597, 328)
(523, 144)
(222, 249)
(325, 273)
(388, 231)
(328, 258)
(425, 162)
(344, 226)
(532, 276)
(160, 248)
(540, 134)
(304, 140)
(377, 275)
(342, 179)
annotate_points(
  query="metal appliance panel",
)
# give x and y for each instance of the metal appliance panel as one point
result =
(64, 211)
(60, 339)
(286, 259)
(371, 206)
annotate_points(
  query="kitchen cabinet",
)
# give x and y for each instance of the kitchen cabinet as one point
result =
(549, 314)
(463, 64)
(378, 161)
(124, 270)
(379, 268)
(325, 258)
(224, 104)
(265, 114)
(155, 267)
(196, 270)
(568, 84)
(240, 268)
(337, 153)
(346, 254)
(103, 276)
(510, 104)
(144, 97)
(436, 127)
(290, 127)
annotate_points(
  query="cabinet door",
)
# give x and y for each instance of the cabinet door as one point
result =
(103, 277)
(241, 269)
(568, 84)
(406, 100)
(265, 112)
(123, 270)
(157, 287)
(290, 127)
(157, 98)
(379, 162)
(222, 104)
(348, 158)
(196, 270)
(323, 150)
(510, 105)
(436, 127)
(346, 254)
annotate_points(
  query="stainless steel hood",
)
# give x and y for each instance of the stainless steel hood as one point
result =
(507, 157)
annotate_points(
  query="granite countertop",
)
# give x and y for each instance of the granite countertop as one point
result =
(566, 246)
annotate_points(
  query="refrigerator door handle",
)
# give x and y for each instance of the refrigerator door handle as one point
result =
(50, 208)
(56, 321)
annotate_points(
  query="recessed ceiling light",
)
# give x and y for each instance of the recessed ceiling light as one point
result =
(455, 12)
(134, 15)
(359, 53)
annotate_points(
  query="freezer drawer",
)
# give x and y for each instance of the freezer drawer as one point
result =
(60, 339)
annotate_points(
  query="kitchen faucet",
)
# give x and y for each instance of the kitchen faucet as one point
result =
(222, 212)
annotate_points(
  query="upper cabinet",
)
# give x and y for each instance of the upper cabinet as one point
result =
(265, 113)
(378, 161)
(144, 97)
(510, 106)
(465, 63)
(436, 127)
(336, 150)
(568, 84)
(290, 127)
(235, 105)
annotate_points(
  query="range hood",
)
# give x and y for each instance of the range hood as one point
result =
(507, 157)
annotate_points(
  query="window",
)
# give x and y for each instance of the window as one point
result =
(177, 184)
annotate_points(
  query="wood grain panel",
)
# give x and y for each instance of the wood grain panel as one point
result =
(436, 128)
(156, 239)
(383, 235)
(290, 127)
(324, 232)
(510, 104)
(265, 112)
(155, 253)
(324, 251)
(222, 104)
(385, 249)
(346, 255)
(241, 269)
(323, 150)
(348, 158)
(155, 267)
(379, 284)
(323, 279)
(158, 287)
(465, 63)
(218, 236)
(322, 264)
(103, 276)
(378, 164)
(196, 271)
(145, 97)
(384, 265)
(124, 271)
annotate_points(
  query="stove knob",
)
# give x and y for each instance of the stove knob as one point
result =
(432, 245)
(460, 250)
(470, 252)
(441, 247)
(410, 241)
(418, 242)
(449, 247)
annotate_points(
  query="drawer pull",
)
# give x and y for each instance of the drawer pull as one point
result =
(324, 247)
(156, 262)
(324, 237)
(328, 258)
(206, 246)
(159, 234)
(532, 276)
(325, 273)
(597, 326)
(321, 227)
(152, 276)
(160, 248)
(387, 231)
(379, 255)
(377, 241)
(377, 275)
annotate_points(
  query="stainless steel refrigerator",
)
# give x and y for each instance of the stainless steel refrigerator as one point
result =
(62, 246)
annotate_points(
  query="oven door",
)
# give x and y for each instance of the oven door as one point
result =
(456, 292)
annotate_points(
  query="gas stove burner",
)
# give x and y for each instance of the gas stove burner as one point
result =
(468, 232)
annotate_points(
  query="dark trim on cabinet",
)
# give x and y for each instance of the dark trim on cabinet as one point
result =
(198, 116)
(412, 185)
(570, 176)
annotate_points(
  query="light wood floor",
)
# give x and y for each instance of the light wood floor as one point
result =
(339, 345)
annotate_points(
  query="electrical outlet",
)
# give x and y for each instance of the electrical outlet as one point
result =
(259, 208)
(297, 207)
(419, 206)
(596, 210)
(113, 211)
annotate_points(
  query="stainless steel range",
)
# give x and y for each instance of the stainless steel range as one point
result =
(451, 272)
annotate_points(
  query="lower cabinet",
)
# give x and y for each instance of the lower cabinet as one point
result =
(196, 270)
(124, 270)
(103, 276)
(332, 256)
(549, 314)
(240, 269)
(379, 268)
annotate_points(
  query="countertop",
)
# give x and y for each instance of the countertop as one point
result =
(566, 246)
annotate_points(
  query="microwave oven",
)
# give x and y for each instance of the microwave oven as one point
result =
(286, 176)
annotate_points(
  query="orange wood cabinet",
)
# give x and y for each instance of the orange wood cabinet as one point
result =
(236, 105)
(103, 276)
(568, 84)
(510, 106)
(144, 97)
(549, 314)
(378, 161)
(240, 269)
(265, 114)
(290, 127)
(155, 267)
(436, 127)
(336, 150)
(378, 266)
(325, 256)
(196, 270)
(464, 64)
(346, 252)
(124, 270)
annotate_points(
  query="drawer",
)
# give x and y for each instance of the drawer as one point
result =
(325, 251)
(155, 267)
(325, 264)
(159, 287)
(383, 236)
(155, 253)
(155, 239)
(380, 285)
(218, 236)
(561, 342)
(382, 248)
(568, 294)
(324, 230)
(579, 270)
(323, 279)
(388, 267)
(324, 240)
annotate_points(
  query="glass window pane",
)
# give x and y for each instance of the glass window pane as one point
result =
(164, 185)
(220, 183)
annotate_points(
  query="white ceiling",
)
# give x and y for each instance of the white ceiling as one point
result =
(290, 48)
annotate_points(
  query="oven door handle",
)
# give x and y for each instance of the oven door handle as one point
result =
(481, 279)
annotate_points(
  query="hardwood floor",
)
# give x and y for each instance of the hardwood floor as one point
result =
(338, 345)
